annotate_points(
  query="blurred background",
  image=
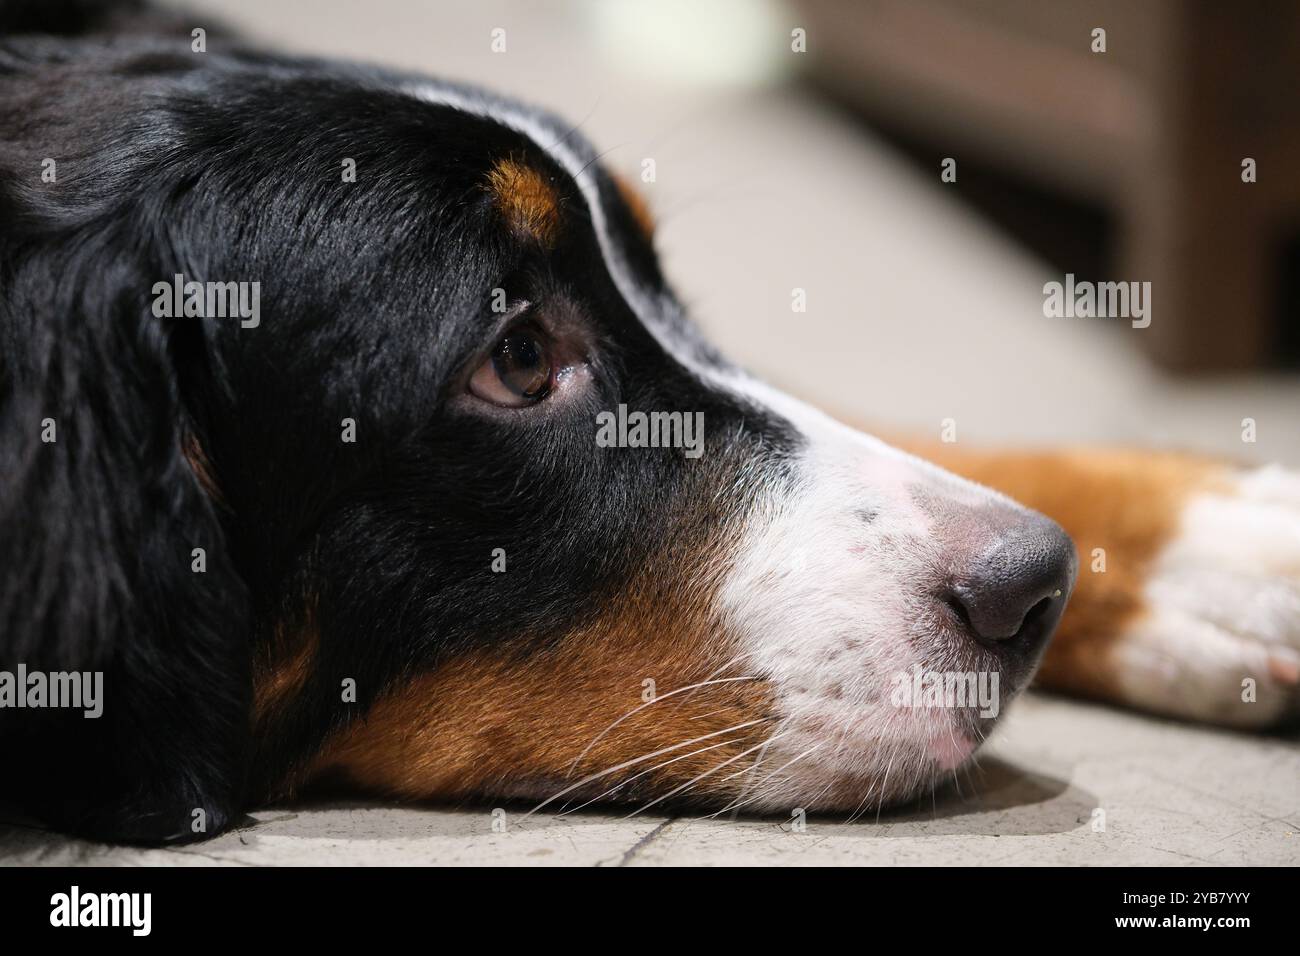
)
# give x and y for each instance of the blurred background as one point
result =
(798, 145)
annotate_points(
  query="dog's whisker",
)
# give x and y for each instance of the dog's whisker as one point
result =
(819, 794)
(578, 125)
(809, 802)
(658, 766)
(766, 788)
(650, 756)
(640, 707)
(882, 782)
(765, 792)
(564, 810)
(865, 803)
(696, 779)
(708, 714)
(708, 678)
(750, 769)
(758, 761)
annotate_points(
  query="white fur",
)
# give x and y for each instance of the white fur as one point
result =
(831, 608)
(1224, 599)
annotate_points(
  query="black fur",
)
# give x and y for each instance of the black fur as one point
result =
(375, 303)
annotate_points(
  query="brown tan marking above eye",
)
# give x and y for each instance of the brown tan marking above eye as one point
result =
(637, 205)
(528, 200)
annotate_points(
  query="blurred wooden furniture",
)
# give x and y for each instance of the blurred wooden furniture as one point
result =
(1156, 127)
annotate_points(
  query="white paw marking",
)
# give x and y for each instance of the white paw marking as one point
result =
(1224, 609)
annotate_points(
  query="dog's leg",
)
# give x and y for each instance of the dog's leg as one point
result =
(1188, 599)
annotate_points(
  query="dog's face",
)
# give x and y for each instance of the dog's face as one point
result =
(467, 572)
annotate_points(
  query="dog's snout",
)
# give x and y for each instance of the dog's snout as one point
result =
(1012, 594)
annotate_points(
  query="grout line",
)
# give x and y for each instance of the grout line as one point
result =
(645, 841)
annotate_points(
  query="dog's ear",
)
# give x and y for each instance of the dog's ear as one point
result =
(113, 561)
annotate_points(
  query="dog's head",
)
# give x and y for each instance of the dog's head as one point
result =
(481, 513)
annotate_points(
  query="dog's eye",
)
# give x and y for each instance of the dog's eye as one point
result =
(518, 372)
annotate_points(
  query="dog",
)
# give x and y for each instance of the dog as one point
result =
(353, 439)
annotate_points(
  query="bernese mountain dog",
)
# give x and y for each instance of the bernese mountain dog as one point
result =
(351, 437)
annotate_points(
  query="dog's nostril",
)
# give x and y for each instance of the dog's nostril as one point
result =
(1004, 623)
(958, 610)
(1038, 612)
(1015, 592)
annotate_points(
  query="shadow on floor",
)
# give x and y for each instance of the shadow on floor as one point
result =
(999, 799)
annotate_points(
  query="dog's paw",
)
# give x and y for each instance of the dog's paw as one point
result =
(1219, 638)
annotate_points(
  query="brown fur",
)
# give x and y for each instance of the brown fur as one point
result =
(200, 464)
(281, 670)
(527, 199)
(489, 721)
(636, 202)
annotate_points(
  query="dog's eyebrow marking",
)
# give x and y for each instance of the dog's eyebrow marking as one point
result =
(528, 200)
(637, 204)
(650, 305)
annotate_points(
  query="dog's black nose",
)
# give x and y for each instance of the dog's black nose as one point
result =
(1012, 594)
